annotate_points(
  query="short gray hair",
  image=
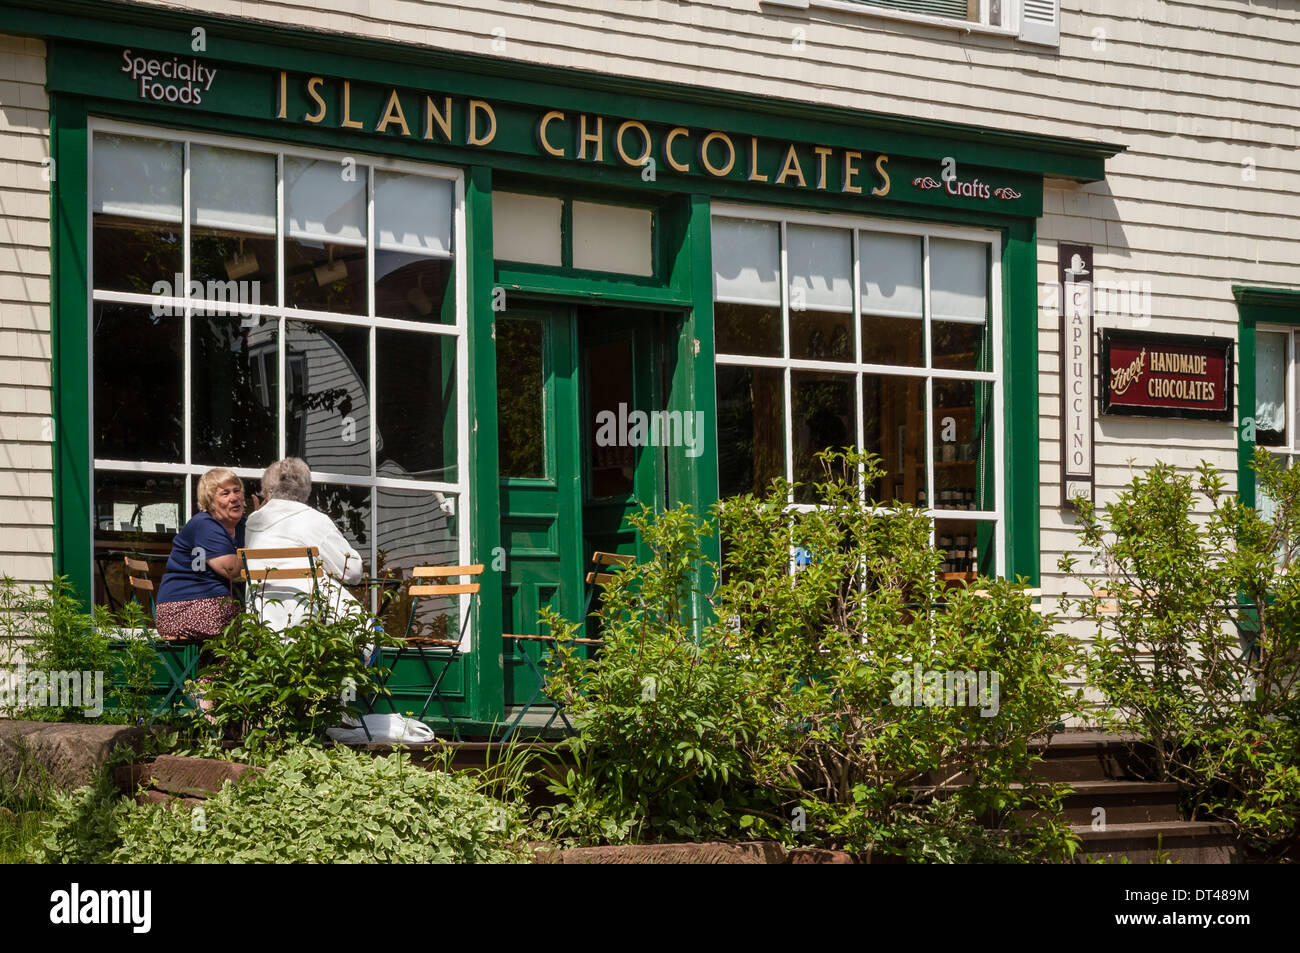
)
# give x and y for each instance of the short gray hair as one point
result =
(287, 479)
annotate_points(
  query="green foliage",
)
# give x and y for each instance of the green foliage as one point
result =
(786, 718)
(663, 718)
(61, 636)
(309, 806)
(1202, 657)
(272, 687)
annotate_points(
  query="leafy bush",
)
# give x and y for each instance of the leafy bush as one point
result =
(1203, 655)
(787, 717)
(274, 687)
(58, 635)
(309, 806)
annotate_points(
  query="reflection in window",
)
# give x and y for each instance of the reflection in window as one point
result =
(822, 417)
(521, 410)
(415, 375)
(233, 370)
(751, 429)
(329, 395)
(138, 393)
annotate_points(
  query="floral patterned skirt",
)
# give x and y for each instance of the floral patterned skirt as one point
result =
(196, 620)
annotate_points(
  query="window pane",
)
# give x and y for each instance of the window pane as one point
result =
(349, 508)
(751, 429)
(609, 385)
(821, 267)
(135, 513)
(521, 425)
(968, 546)
(959, 279)
(325, 277)
(138, 384)
(327, 398)
(232, 197)
(234, 387)
(963, 347)
(412, 213)
(963, 445)
(613, 238)
(414, 288)
(823, 407)
(891, 273)
(526, 228)
(1270, 388)
(893, 418)
(747, 329)
(325, 200)
(892, 341)
(746, 261)
(418, 528)
(131, 255)
(415, 379)
(821, 335)
(232, 190)
(137, 178)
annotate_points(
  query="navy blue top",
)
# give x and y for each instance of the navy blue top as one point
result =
(203, 535)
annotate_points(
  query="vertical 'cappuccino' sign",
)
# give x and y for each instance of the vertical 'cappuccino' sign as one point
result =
(1075, 265)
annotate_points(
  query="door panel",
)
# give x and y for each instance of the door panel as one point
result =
(539, 480)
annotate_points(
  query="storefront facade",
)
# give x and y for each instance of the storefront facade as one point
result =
(499, 306)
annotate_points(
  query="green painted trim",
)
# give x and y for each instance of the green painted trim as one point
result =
(257, 44)
(70, 345)
(487, 700)
(693, 272)
(1020, 392)
(563, 284)
(1255, 306)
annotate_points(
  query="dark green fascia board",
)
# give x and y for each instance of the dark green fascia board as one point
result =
(1255, 305)
(1252, 297)
(260, 43)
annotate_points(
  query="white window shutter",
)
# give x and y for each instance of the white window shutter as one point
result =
(1040, 21)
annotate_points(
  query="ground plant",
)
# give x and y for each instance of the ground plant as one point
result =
(309, 805)
(852, 700)
(1197, 647)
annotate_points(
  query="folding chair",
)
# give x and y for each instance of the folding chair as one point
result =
(598, 576)
(313, 570)
(179, 671)
(427, 648)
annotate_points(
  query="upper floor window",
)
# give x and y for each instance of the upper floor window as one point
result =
(1034, 21)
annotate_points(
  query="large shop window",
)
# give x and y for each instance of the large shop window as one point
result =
(1277, 397)
(831, 333)
(252, 303)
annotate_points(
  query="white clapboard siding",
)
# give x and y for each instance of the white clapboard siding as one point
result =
(26, 425)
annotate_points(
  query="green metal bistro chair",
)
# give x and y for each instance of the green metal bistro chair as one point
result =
(178, 670)
(599, 576)
(427, 648)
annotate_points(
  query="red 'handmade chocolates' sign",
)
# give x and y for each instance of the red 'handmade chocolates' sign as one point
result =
(1166, 375)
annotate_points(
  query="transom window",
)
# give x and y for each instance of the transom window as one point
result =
(833, 332)
(252, 302)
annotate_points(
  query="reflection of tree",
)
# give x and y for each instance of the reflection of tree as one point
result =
(348, 507)
(135, 255)
(519, 398)
(824, 406)
(232, 421)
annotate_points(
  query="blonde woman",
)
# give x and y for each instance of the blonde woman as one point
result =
(195, 599)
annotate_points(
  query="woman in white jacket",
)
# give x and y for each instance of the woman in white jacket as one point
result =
(283, 520)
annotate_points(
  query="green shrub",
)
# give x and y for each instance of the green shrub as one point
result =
(273, 687)
(1203, 656)
(309, 806)
(785, 717)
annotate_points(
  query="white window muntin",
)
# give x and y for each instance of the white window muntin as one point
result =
(187, 306)
(857, 225)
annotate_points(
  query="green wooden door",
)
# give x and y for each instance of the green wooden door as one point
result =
(567, 486)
